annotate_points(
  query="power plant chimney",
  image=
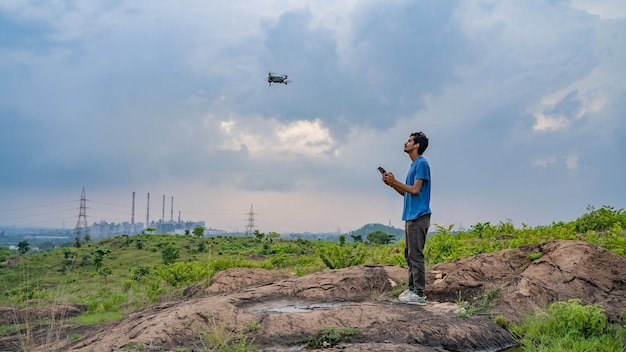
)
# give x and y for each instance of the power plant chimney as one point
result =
(163, 211)
(148, 212)
(132, 216)
(172, 210)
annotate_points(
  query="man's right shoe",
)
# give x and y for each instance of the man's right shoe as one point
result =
(404, 293)
(413, 298)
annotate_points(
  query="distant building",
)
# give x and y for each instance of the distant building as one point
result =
(105, 229)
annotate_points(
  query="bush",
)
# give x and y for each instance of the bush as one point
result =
(577, 319)
(170, 255)
(337, 257)
(570, 326)
(330, 337)
(601, 219)
(140, 273)
(181, 274)
(443, 246)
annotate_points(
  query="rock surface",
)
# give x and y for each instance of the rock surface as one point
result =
(566, 270)
(280, 312)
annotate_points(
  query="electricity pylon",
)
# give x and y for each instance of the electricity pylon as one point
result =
(250, 225)
(81, 231)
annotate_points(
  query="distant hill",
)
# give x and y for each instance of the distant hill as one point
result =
(369, 228)
(334, 236)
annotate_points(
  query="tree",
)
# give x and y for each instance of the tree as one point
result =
(198, 231)
(357, 238)
(23, 246)
(98, 262)
(380, 237)
(273, 235)
(259, 235)
(170, 255)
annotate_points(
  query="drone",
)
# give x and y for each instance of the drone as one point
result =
(272, 78)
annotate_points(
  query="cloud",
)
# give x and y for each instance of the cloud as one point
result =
(523, 102)
(605, 9)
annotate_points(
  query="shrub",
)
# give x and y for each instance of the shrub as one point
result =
(330, 337)
(601, 219)
(443, 246)
(570, 326)
(180, 274)
(575, 318)
(140, 273)
(337, 257)
(170, 255)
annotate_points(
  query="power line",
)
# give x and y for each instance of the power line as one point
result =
(36, 206)
(39, 214)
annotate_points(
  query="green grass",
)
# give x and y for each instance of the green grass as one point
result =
(570, 326)
(97, 318)
(481, 302)
(330, 336)
(67, 275)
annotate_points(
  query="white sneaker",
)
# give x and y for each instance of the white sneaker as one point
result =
(413, 298)
(404, 293)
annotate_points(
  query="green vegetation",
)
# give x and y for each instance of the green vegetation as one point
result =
(481, 302)
(330, 337)
(23, 247)
(603, 227)
(570, 326)
(218, 336)
(342, 256)
(115, 276)
(534, 256)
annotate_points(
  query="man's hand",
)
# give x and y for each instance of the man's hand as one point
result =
(388, 178)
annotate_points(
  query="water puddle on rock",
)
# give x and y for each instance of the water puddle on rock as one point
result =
(289, 306)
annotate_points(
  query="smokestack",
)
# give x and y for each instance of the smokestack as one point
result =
(172, 210)
(132, 215)
(163, 211)
(148, 212)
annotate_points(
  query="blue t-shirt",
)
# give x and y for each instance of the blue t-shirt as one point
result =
(417, 205)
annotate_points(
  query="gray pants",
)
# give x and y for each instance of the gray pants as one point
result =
(414, 240)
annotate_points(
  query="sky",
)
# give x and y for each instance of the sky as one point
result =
(524, 104)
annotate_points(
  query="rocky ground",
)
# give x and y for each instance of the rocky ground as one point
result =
(280, 312)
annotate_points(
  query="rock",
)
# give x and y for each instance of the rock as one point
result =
(566, 270)
(339, 298)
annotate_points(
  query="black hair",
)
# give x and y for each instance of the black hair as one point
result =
(420, 137)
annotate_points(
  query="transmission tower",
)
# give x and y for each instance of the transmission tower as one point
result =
(250, 226)
(81, 231)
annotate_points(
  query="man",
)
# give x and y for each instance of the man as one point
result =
(416, 214)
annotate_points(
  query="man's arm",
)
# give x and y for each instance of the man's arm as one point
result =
(400, 187)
